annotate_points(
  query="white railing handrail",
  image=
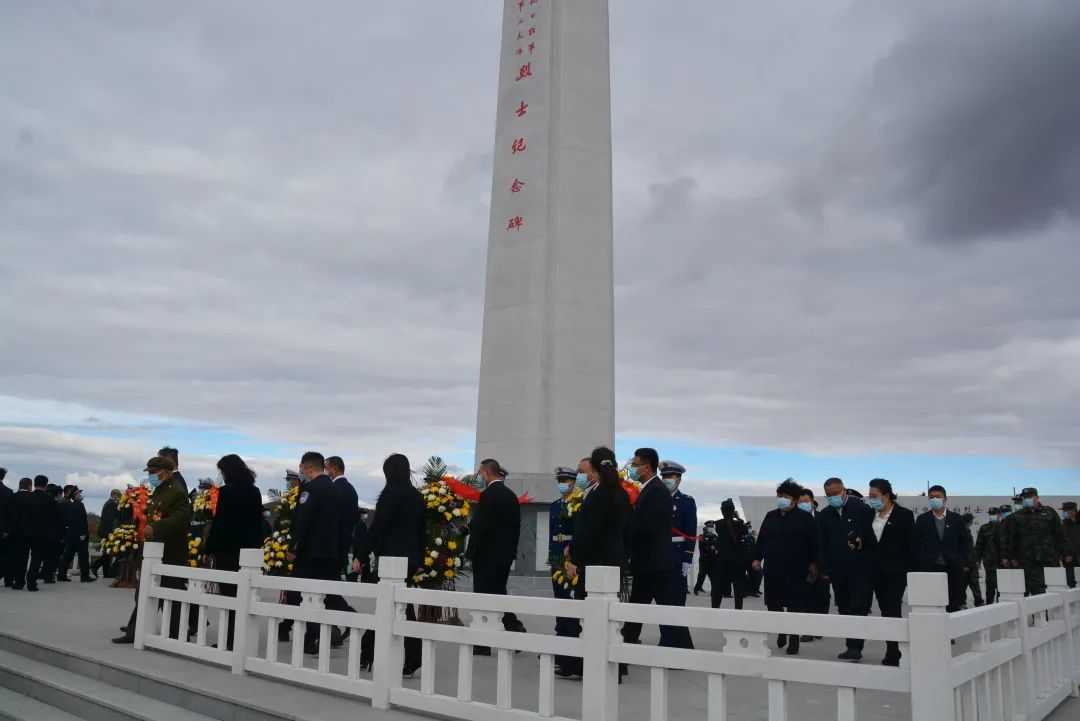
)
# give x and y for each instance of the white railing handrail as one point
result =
(1024, 660)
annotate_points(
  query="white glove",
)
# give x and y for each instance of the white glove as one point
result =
(686, 569)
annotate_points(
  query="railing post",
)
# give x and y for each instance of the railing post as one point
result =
(1056, 582)
(152, 554)
(246, 632)
(389, 651)
(930, 648)
(1011, 586)
(600, 676)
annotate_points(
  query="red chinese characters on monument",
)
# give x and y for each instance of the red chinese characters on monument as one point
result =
(524, 72)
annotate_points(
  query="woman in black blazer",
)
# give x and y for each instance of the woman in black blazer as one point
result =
(894, 527)
(397, 530)
(237, 522)
(599, 534)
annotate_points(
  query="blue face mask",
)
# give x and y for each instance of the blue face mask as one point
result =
(563, 488)
(993, 519)
(806, 506)
(671, 484)
(783, 503)
(836, 501)
(1029, 503)
(937, 503)
(877, 503)
(634, 475)
(582, 481)
(153, 481)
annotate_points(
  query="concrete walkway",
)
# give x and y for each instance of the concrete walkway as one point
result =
(81, 619)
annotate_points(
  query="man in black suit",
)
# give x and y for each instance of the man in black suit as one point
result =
(894, 528)
(493, 539)
(18, 540)
(36, 523)
(649, 539)
(848, 547)
(314, 549)
(77, 536)
(335, 468)
(177, 477)
(942, 545)
(6, 542)
(107, 524)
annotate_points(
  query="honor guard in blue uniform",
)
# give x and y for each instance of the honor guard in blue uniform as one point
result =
(560, 533)
(684, 529)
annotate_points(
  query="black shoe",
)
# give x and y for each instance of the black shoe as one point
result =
(806, 639)
(124, 639)
(781, 640)
(698, 590)
(64, 579)
(19, 587)
(31, 588)
(793, 647)
(283, 634)
(365, 664)
(88, 579)
(311, 649)
(563, 673)
(346, 633)
(409, 671)
(890, 661)
(48, 580)
(850, 655)
(481, 651)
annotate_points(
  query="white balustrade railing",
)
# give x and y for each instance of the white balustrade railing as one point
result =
(1024, 657)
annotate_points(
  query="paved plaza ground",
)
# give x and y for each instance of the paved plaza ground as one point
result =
(81, 619)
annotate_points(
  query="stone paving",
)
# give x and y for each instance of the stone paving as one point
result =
(82, 618)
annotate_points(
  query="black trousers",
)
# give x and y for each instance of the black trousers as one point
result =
(40, 553)
(50, 559)
(324, 569)
(56, 564)
(730, 574)
(704, 563)
(413, 647)
(18, 556)
(786, 593)
(853, 596)
(648, 586)
(73, 547)
(820, 597)
(1070, 575)
(991, 583)
(889, 591)
(104, 562)
(492, 579)
(955, 578)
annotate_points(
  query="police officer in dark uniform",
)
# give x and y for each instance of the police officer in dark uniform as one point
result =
(315, 546)
(684, 528)
(1071, 524)
(18, 535)
(38, 523)
(706, 557)
(560, 533)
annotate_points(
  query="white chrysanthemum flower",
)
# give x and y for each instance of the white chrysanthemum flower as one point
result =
(456, 512)
(433, 574)
(438, 541)
(457, 562)
(277, 563)
(276, 534)
(434, 554)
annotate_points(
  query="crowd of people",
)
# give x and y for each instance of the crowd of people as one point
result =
(852, 552)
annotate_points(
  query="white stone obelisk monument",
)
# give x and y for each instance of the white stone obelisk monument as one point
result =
(547, 362)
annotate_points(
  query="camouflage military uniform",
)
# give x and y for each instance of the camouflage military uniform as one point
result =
(986, 551)
(1036, 540)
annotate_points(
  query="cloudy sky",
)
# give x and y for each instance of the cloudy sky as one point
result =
(260, 227)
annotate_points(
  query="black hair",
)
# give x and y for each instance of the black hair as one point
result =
(832, 481)
(807, 492)
(55, 492)
(25, 483)
(490, 464)
(789, 488)
(336, 463)
(968, 517)
(606, 465)
(940, 489)
(171, 453)
(313, 458)
(397, 471)
(234, 470)
(41, 481)
(884, 487)
(650, 456)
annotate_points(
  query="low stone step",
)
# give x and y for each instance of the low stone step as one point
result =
(16, 707)
(82, 696)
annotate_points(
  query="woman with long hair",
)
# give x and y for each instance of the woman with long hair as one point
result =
(237, 522)
(396, 530)
(599, 533)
